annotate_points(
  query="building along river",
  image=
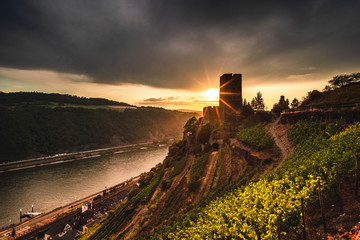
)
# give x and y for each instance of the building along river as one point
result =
(55, 185)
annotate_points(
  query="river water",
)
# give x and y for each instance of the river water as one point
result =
(52, 186)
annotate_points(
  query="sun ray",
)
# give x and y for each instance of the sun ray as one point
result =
(227, 83)
(229, 106)
(218, 115)
(229, 93)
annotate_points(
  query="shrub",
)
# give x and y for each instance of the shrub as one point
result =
(204, 133)
(256, 137)
(166, 184)
(133, 193)
(197, 170)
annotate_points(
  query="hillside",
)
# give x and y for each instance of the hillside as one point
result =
(30, 131)
(232, 192)
(188, 179)
(53, 100)
(344, 95)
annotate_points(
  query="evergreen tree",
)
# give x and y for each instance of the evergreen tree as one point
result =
(294, 103)
(281, 105)
(257, 103)
(246, 109)
(245, 102)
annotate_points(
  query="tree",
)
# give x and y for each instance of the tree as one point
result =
(145, 178)
(294, 103)
(328, 88)
(344, 79)
(245, 102)
(191, 125)
(204, 133)
(257, 103)
(246, 109)
(281, 105)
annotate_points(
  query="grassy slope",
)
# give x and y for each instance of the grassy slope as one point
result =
(256, 137)
(325, 152)
(344, 95)
(38, 98)
(173, 196)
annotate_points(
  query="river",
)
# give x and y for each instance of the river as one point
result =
(52, 186)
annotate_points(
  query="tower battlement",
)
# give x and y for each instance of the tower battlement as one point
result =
(211, 115)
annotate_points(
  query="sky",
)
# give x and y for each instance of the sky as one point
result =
(167, 53)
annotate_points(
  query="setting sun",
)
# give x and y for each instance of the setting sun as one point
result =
(211, 93)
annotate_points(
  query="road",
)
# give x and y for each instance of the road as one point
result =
(47, 218)
(67, 157)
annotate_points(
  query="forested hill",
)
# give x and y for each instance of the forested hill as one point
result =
(38, 98)
(348, 94)
(31, 130)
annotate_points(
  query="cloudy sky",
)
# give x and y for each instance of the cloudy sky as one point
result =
(167, 52)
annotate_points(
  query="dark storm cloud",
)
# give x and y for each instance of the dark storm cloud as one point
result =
(172, 44)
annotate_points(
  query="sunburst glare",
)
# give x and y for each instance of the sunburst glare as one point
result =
(211, 94)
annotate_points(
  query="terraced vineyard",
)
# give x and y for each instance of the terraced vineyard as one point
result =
(237, 203)
(325, 152)
(256, 137)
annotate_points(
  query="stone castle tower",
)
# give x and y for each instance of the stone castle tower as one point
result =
(230, 96)
(230, 100)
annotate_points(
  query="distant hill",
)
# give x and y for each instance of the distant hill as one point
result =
(345, 95)
(39, 98)
(30, 130)
(190, 111)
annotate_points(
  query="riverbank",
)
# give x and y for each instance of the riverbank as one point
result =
(45, 221)
(69, 157)
(54, 185)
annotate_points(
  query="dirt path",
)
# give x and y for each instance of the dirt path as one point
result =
(279, 133)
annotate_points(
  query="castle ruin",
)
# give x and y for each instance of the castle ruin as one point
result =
(211, 115)
(230, 101)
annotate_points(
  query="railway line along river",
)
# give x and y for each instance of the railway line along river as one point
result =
(55, 185)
